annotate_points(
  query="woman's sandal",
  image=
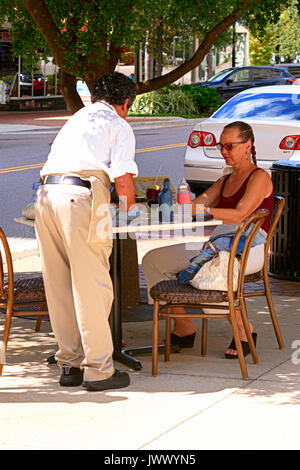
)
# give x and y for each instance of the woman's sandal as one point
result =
(245, 347)
(183, 341)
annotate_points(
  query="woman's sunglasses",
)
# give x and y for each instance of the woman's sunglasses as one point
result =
(228, 147)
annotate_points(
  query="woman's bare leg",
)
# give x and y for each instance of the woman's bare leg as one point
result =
(242, 333)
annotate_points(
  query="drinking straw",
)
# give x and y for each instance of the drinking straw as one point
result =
(159, 170)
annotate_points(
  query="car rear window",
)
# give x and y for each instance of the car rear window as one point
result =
(277, 72)
(241, 75)
(264, 106)
(260, 74)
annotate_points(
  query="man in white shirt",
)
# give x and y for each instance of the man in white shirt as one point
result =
(94, 148)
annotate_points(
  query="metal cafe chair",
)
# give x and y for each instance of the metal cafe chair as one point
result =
(263, 275)
(170, 293)
(17, 296)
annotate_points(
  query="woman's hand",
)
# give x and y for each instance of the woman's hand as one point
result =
(209, 198)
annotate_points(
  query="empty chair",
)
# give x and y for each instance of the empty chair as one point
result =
(17, 295)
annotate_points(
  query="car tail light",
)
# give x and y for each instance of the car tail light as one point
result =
(201, 139)
(290, 142)
(292, 80)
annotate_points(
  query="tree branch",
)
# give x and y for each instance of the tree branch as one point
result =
(205, 46)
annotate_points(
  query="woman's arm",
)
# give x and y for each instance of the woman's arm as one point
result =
(209, 198)
(258, 188)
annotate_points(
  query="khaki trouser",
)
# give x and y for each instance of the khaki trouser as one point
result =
(77, 281)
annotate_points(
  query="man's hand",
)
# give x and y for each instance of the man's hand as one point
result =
(125, 189)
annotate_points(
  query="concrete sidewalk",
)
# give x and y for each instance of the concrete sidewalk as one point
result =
(28, 121)
(195, 402)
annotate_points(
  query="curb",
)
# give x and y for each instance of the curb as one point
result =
(20, 128)
(174, 123)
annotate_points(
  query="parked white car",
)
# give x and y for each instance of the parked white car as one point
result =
(274, 114)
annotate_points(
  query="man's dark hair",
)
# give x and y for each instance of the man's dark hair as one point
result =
(114, 88)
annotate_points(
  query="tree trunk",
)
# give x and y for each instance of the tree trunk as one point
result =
(69, 92)
(159, 48)
(195, 71)
(209, 65)
(148, 60)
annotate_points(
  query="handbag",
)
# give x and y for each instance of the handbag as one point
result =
(213, 274)
(28, 209)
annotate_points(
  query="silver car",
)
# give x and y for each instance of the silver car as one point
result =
(274, 114)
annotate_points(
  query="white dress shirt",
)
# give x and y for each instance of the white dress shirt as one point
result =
(94, 138)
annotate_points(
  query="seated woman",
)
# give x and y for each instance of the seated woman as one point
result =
(231, 199)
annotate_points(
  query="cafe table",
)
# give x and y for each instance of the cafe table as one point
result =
(181, 230)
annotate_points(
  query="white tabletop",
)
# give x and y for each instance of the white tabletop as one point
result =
(24, 221)
(141, 227)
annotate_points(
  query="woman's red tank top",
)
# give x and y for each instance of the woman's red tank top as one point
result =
(232, 201)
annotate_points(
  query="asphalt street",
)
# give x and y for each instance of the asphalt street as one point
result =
(23, 153)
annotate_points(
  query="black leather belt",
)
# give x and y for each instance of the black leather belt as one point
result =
(61, 179)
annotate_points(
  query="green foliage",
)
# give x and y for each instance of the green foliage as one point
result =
(87, 29)
(51, 84)
(184, 100)
(84, 30)
(264, 13)
(180, 103)
(86, 38)
(26, 38)
(285, 33)
(207, 100)
(172, 101)
(149, 103)
(281, 39)
(260, 50)
(7, 78)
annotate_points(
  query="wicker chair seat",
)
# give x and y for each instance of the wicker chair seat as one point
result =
(28, 289)
(172, 291)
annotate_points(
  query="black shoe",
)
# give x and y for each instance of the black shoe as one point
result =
(118, 380)
(70, 376)
(51, 359)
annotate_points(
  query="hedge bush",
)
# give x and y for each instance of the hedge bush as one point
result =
(166, 101)
(178, 100)
(7, 78)
(207, 100)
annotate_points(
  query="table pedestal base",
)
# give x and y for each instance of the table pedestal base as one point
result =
(143, 350)
(125, 358)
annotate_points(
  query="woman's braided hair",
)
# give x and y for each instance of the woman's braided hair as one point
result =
(245, 133)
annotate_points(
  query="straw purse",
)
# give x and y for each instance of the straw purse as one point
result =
(213, 274)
